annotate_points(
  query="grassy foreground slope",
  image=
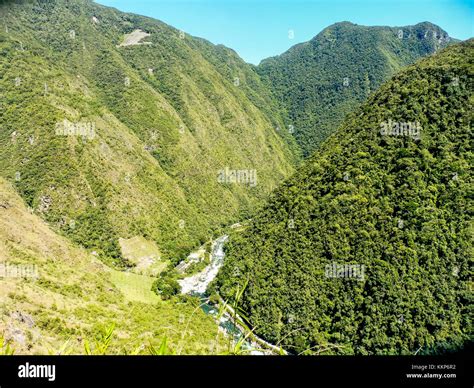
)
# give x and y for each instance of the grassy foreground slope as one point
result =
(108, 136)
(74, 298)
(318, 82)
(395, 202)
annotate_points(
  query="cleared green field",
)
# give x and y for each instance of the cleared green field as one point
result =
(135, 288)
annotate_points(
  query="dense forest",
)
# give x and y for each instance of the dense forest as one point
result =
(367, 249)
(318, 82)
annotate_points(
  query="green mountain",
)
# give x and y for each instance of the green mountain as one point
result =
(367, 249)
(56, 297)
(117, 126)
(125, 141)
(318, 82)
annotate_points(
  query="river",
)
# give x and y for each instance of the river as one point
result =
(197, 284)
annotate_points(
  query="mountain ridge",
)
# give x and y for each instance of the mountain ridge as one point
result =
(389, 209)
(178, 121)
(319, 81)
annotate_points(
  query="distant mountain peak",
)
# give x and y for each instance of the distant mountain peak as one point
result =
(321, 80)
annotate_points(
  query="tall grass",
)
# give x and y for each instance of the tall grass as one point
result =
(5, 348)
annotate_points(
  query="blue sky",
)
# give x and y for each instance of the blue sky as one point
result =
(258, 29)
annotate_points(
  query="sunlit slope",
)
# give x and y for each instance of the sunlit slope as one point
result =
(55, 297)
(154, 122)
(387, 202)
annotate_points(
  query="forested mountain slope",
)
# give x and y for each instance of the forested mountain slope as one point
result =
(318, 82)
(115, 125)
(367, 249)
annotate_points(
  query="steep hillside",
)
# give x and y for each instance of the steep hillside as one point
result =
(367, 249)
(318, 82)
(116, 126)
(55, 297)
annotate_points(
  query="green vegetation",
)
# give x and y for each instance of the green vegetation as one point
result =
(167, 285)
(5, 348)
(318, 82)
(75, 299)
(154, 124)
(197, 267)
(109, 165)
(144, 255)
(102, 343)
(401, 206)
(134, 287)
